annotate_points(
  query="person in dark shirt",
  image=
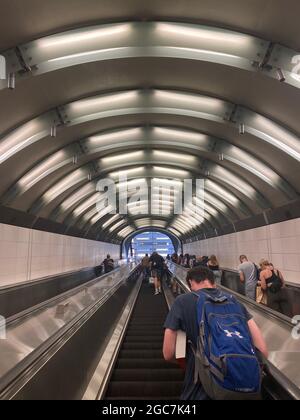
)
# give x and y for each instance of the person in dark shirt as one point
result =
(108, 264)
(157, 268)
(175, 258)
(183, 316)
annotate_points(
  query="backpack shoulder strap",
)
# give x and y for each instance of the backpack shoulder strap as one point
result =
(219, 298)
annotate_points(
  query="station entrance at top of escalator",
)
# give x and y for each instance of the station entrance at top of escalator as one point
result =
(149, 242)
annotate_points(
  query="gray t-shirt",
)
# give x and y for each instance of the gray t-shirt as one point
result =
(250, 272)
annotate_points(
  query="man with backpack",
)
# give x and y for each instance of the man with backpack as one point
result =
(108, 264)
(249, 276)
(157, 264)
(221, 360)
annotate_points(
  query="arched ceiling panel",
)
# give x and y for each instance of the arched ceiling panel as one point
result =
(154, 101)
(208, 148)
(230, 77)
(34, 19)
(249, 89)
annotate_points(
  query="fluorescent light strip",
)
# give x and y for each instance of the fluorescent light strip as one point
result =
(109, 138)
(68, 182)
(186, 136)
(78, 196)
(117, 225)
(237, 183)
(175, 231)
(174, 156)
(79, 36)
(90, 214)
(142, 183)
(170, 171)
(127, 172)
(214, 201)
(22, 137)
(127, 157)
(166, 182)
(125, 232)
(93, 200)
(100, 215)
(100, 103)
(192, 101)
(110, 221)
(226, 195)
(40, 171)
(217, 36)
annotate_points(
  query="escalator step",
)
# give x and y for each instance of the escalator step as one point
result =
(148, 375)
(141, 388)
(146, 323)
(143, 364)
(130, 338)
(141, 372)
(140, 354)
(143, 346)
(137, 330)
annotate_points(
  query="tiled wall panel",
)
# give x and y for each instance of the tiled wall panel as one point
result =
(29, 254)
(279, 243)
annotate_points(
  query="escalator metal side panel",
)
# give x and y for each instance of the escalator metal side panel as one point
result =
(29, 379)
(65, 374)
(30, 334)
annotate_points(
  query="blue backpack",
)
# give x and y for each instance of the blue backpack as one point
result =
(226, 362)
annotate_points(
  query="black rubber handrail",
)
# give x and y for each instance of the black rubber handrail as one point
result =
(289, 284)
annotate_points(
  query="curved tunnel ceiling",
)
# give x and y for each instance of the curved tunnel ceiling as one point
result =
(57, 146)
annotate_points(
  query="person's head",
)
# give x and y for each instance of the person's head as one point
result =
(243, 258)
(272, 267)
(213, 260)
(200, 278)
(154, 254)
(108, 257)
(264, 264)
(146, 255)
(199, 258)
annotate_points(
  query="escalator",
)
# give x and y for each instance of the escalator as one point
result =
(104, 341)
(140, 372)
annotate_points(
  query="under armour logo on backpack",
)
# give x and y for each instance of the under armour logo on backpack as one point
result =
(231, 334)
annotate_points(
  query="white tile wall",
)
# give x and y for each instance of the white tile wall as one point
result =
(29, 254)
(279, 243)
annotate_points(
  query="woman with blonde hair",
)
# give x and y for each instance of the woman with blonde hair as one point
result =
(213, 265)
(261, 294)
(274, 288)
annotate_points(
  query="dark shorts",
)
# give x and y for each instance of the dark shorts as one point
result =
(157, 273)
